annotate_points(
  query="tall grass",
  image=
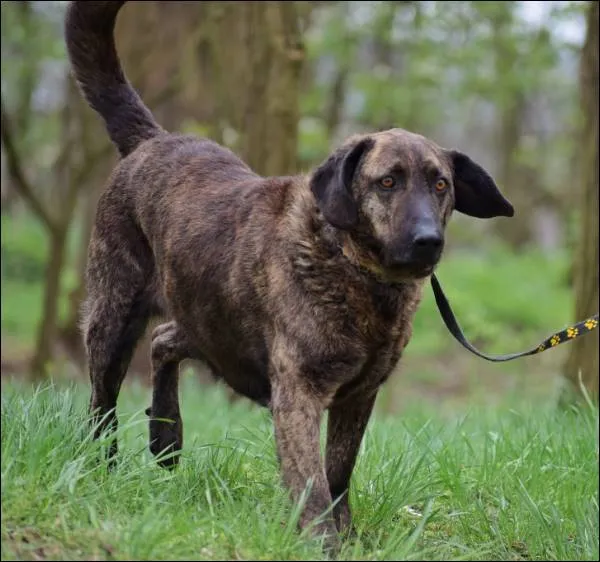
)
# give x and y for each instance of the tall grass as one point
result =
(495, 483)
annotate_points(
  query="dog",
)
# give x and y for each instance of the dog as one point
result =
(299, 291)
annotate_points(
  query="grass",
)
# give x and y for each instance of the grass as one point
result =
(500, 483)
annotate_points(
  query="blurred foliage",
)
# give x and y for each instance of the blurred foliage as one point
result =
(24, 252)
(504, 302)
(33, 62)
(447, 69)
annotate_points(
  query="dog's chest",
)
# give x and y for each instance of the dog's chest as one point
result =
(375, 313)
(383, 328)
(387, 330)
(373, 374)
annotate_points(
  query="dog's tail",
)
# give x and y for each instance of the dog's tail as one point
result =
(89, 35)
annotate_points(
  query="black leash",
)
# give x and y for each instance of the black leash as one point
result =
(567, 334)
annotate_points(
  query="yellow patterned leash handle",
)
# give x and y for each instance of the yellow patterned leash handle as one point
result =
(568, 334)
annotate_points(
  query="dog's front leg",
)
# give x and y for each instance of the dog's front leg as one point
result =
(296, 416)
(345, 429)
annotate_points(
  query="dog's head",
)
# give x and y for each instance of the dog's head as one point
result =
(394, 191)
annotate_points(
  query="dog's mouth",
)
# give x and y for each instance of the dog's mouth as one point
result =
(408, 272)
(409, 268)
(395, 272)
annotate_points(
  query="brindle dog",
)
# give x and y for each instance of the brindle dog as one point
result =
(299, 291)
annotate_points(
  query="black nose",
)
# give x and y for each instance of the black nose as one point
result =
(428, 241)
(427, 245)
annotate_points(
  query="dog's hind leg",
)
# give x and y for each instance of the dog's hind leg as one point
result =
(112, 334)
(116, 313)
(169, 348)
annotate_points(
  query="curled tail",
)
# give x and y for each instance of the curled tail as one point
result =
(89, 35)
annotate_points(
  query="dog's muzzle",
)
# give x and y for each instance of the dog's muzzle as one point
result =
(418, 255)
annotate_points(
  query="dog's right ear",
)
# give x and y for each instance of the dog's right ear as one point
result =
(332, 181)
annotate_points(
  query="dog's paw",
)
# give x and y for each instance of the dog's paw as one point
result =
(166, 440)
(332, 543)
(343, 519)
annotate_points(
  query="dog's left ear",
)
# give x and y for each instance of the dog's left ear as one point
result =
(476, 193)
(331, 184)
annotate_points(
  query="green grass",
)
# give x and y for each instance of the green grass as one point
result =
(493, 483)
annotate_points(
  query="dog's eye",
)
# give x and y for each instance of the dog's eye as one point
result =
(441, 184)
(388, 182)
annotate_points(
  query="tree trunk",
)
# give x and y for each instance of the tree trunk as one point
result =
(275, 53)
(383, 54)
(335, 103)
(210, 65)
(47, 326)
(511, 106)
(583, 359)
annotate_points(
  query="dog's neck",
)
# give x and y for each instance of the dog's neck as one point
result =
(359, 258)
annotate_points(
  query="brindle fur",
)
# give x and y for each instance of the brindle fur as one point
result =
(299, 291)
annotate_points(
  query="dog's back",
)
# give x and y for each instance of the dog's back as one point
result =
(167, 186)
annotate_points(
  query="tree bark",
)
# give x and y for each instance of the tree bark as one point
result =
(583, 359)
(275, 52)
(335, 103)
